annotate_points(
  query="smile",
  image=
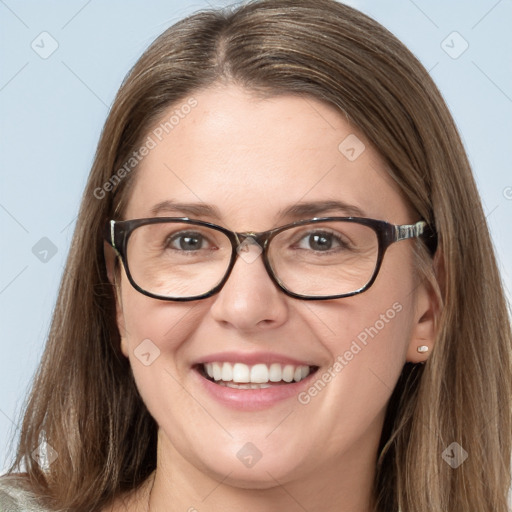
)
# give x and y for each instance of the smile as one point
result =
(257, 376)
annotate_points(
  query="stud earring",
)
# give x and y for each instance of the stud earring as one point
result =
(422, 348)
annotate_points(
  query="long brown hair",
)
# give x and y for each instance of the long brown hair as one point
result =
(84, 398)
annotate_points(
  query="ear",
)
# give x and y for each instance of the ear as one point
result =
(428, 306)
(113, 274)
(424, 328)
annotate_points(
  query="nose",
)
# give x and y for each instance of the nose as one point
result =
(250, 300)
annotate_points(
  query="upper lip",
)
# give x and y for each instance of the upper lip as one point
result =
(252, 358)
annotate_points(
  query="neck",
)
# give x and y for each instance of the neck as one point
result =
(341, 484)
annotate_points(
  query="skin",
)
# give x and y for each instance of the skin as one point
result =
(250, 158)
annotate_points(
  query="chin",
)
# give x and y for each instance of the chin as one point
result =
(266, 477)
(261, 473)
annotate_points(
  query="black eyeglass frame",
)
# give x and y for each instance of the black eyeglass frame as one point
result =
(117, 234)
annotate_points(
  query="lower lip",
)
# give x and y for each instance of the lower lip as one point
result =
(252, 399)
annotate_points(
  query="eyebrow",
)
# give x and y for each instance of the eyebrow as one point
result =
(318, 208)
(293, 212)
(192, 209)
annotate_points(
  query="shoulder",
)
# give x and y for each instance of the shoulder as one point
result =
(14, 497)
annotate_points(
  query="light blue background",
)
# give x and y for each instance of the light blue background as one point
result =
(52, 111)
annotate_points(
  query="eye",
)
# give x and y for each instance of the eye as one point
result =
(321, 241)
(187, 241)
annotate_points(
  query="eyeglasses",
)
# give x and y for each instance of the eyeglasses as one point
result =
(180, 259)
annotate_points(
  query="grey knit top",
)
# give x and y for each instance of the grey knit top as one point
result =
(13, 498)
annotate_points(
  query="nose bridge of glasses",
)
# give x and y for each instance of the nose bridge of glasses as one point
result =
(252, 237)
(250, 245)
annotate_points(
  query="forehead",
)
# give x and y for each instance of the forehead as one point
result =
(250, 158)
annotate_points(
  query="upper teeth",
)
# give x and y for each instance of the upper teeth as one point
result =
(258, 373)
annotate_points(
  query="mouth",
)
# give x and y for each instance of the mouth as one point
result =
(257, 376)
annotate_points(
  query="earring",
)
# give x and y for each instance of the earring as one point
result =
(422, 348)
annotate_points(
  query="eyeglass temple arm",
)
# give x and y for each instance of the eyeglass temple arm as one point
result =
(409, 230)
(109, 234)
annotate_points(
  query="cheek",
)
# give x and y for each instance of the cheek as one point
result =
(154, 327)
(154, 334)
(367, 336)
(368, 350)
(365, 330)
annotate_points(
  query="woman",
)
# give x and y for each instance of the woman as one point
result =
(281, 292)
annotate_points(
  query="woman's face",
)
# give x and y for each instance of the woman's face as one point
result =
(251, 159)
